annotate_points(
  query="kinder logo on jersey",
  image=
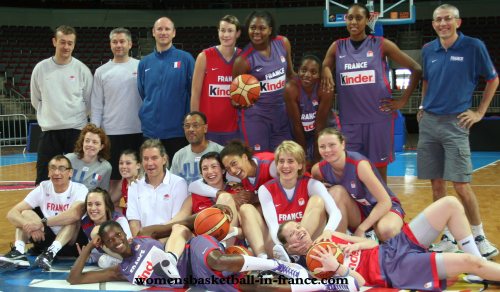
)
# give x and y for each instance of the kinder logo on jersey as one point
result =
(357, 77)
(218, 90)
(145, 270)
(353, 260)
(272, 85)
(308, 126)
(177, 64)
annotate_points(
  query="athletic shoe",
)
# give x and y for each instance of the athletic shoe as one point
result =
(106, 261)
(280, 253)
(350, 284)
(371, 235)
(473, 279)
(44, 260)
(14, 257)
(445, 245)
(165, 263)
(486, 248)
(290, 270)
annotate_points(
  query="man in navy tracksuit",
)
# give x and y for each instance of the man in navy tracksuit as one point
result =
(164, 81)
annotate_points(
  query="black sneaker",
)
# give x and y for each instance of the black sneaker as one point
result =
(14, 257)
(44, 261)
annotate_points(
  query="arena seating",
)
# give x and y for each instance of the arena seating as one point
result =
(21, 47)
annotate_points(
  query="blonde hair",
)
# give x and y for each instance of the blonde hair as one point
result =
(291, 147)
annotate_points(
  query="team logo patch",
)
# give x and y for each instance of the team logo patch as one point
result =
(353, 185)
(428, 285)
(166, 196)
(315, 103)
(369, 54)
(301, 202)
(137, 247)
(177, 64)
(282, 58)
(256, 147)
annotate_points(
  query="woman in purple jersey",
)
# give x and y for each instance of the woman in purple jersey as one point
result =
(362, 196)
(308, 106)
(267, 57)
(364, 95)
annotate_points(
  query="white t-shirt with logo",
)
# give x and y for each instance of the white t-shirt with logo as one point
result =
(52, 203)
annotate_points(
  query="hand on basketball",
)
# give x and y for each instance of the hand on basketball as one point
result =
(390, 105)
(226, 210)
(468, 118)
(326, 257)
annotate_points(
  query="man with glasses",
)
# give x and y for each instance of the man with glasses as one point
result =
(49, 218)
(186, 160)
(452, 65)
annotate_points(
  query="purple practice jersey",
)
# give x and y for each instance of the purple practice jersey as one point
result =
(140, 264)
(361, 81)
(270, 71)
(354, 186)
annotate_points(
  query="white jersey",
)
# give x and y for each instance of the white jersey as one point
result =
(52, 203)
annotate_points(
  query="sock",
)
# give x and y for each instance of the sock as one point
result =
(448, 234)
(468, 245)
(308, 287)
(262, 255)
(20, 246)
(259, 264)
(55, 247)
(477, 230)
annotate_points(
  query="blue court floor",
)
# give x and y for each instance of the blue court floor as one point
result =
(404, 165)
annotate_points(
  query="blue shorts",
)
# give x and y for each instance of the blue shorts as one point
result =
(406, 264)
(374, 140)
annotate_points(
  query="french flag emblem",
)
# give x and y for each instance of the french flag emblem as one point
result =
(177, 64)
(97, 177)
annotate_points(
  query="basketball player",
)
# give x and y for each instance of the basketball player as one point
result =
(211, 81)
(404, 262)
(144, 259)
(308, 105)
(267, 57)
(291, 196)
(366, 107)
(363, 197)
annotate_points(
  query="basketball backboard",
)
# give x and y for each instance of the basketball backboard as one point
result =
(388, 12)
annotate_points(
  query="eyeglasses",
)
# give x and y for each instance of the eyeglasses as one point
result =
(446, 19)
(194, 126)
(60, 168)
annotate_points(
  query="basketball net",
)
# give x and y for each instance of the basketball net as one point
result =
(373, 20)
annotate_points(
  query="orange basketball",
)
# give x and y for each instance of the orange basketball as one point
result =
(312, 264)
(245, 90)
(213, 222)
(238, 249)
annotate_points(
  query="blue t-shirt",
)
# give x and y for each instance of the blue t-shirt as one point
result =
(452, 74)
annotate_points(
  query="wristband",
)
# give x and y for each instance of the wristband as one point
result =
(44, 221)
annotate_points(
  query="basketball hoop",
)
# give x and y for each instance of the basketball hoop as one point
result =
(373, 20)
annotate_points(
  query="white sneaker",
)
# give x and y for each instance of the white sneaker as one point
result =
(486, 248)
(106, 261)
(473, 279)
(167, 262)
(290, 270)
(445, 245)
(371, 235)
(280, 253)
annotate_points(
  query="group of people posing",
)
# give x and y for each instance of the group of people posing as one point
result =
(197, 149)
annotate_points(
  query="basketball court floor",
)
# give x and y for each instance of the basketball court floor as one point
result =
(17, 173)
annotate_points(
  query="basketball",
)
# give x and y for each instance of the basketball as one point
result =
(313, 264)
(238, 249)
(245, 90)
(213, 222)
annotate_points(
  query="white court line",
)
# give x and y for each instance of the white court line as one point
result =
(494, 162)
